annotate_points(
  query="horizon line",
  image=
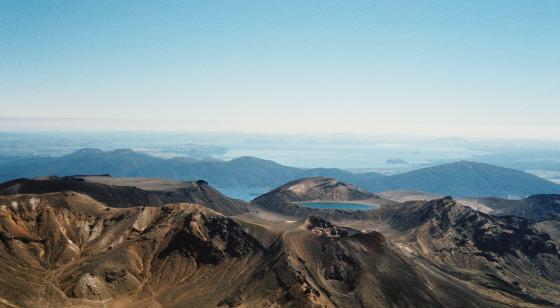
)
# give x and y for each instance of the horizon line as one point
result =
(70, 125)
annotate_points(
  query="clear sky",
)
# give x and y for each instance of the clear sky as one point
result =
(468, 68)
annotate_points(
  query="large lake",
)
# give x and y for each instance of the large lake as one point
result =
(338, 205)
(244, 193)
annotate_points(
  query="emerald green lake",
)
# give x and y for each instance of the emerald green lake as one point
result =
(339, 205)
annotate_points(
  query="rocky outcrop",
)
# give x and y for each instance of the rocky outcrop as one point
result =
(127, 194)
(536, 207)
(68, 249)
(506, 253)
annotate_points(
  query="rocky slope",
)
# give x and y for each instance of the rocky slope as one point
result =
(126, 192)
(317, 188)
(66, 249)
(545, 206)
(509, 255)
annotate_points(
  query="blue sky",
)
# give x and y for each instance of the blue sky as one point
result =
(468, 68)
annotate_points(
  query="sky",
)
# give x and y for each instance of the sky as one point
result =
(434, 68)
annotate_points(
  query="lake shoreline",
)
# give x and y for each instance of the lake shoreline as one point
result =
(340, 205)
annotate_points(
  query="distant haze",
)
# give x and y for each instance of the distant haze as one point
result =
(437, 68)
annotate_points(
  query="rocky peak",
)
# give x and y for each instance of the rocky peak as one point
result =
(209, 238)
(324, 227)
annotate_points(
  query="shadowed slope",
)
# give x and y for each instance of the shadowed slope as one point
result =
(504, 254)
(122, 192)
(68, 249)
(533, 207)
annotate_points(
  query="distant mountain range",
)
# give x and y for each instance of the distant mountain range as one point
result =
(242, 172)
(461, 179)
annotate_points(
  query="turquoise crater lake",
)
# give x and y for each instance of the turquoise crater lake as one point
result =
(338, 205)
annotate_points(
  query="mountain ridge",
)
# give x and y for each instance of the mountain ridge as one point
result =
(67, 249)
(122, 193)
(536, 207)
(460, 179)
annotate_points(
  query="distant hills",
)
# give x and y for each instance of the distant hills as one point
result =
(467, 179)
(461, 179)
(242, 172)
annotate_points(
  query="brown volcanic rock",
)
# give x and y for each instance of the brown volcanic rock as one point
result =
(130, 192)
(537, 207)
(510, 255)
(81, 249)
(355, 269)
(325, 227)
(68, 249)
(316, 188)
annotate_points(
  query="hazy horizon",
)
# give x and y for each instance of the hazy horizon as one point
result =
(124, 125)
(259, 153)
(437, 68)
